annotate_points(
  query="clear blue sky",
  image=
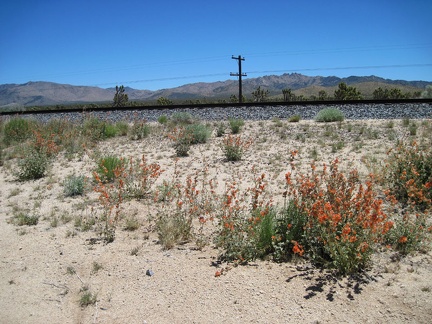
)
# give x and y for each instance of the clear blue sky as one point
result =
(161, 44)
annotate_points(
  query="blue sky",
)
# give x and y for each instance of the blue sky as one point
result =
(161, 44)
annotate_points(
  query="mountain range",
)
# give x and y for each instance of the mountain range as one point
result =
(48, 93)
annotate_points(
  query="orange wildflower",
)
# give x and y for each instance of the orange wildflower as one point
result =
(297, 248)
(403, 239)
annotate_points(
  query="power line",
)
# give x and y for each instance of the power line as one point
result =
(221, 58)
(345, 68)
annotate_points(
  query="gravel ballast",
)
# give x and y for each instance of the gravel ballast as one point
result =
(355, 112)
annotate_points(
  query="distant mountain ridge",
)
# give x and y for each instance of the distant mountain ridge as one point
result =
(42, 93)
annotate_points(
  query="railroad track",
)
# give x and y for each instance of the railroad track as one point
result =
(222, 105)
(352, 109)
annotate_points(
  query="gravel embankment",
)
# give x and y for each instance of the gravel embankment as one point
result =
(365, 111)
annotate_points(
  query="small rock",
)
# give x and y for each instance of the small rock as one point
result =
(149, 273)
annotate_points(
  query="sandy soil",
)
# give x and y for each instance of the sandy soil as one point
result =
(44, 268)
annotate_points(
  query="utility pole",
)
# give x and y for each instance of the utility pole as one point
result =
(239, 74)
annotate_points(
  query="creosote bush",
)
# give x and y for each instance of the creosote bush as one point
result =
(329, 115)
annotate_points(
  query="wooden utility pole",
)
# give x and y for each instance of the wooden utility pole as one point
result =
(239, 74)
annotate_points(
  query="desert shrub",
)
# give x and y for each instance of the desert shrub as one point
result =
(199, 133)
(408, 175)
(109, 130)
(265, 231)
(163, 119)
(182, 141)
(139, 177)
(234, 147)
(329, 115)
(139, 130)
(74, 185)
(32, 166)
(44, 143)
(23, 218)
(410, 233)
(87, 298)
(122, 128)
(173, 229)
(246, 222)
(236, 124)
(131, 224)
(93, 129)
(294, 119)
(108, 166)
(164, 191)
(344, 217)
(57, 130)
(181, 118)
(406, 122)
(289, 231)
(16, 130)
(220, 129)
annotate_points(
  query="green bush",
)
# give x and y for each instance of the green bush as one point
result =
(16, 130)
(74, 185)
(163, 119)
(139, 130)
(236, 124)
(87, 299)
(199, 133)
(329, 115)
(234, 147)
(182, 146)
(289, 228)
(173, 229)
(220, 129)
(182, 118)
(93, 129)
(409, 234)
(109, 130)
(408, 175)
(33, 166)
(22, 219)
(294, 119)
(122, 128)
(108, 166)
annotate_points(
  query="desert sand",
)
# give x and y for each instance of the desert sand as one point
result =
(45, 268)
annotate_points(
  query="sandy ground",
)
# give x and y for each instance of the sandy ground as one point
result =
(44, 268)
